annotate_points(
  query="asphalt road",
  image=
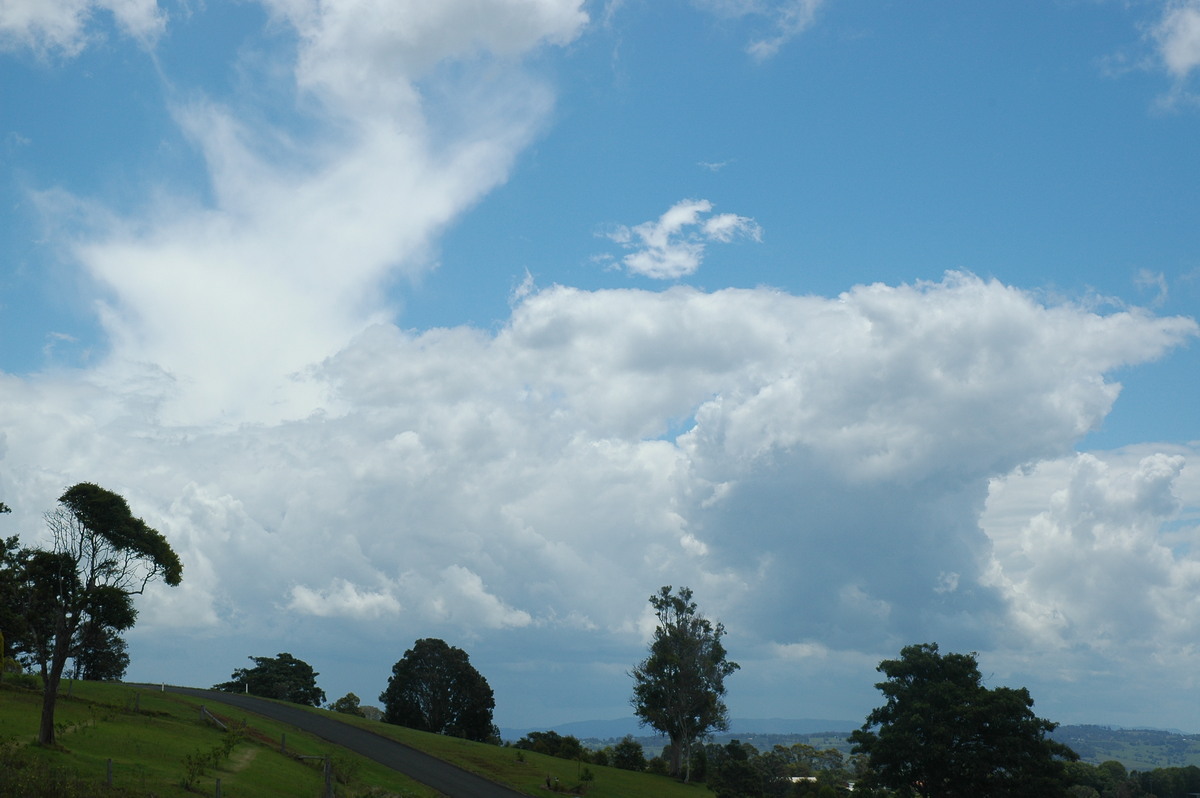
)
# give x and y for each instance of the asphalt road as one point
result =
(441, 776)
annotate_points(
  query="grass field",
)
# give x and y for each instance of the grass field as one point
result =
(159, 745)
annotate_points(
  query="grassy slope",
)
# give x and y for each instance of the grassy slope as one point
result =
(527, 771)
(148, 734)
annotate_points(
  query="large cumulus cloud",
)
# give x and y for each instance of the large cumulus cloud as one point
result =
(814, 467)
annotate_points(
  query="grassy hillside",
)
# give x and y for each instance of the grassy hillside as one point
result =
(158, 742)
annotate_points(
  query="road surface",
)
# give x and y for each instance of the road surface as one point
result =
(441, 776)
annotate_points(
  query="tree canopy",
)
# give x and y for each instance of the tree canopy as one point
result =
(101, 556)
(679, 689)
(941, 733)
(434, 688)
(349, 704)
(282, 677)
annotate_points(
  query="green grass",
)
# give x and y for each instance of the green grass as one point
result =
(527, 772)
(148, 735)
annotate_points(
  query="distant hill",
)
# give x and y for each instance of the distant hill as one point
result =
(618, 728)
(1136, 749)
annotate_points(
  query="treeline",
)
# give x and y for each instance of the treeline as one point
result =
(1111, 780)
(740, 770)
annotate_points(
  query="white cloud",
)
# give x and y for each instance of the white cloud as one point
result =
(342, 42)
(458, 598)
(232, 300)
(65, 27)
(1177, 36)
(673, 245)
(788, 19)
(343, 599)
(792, 18)
(1097, 568)
(826, 454)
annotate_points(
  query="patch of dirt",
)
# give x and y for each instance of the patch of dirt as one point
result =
(242, 759)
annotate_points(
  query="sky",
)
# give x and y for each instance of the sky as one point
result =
(872, 323)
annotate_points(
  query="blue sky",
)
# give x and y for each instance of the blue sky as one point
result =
(481, 320)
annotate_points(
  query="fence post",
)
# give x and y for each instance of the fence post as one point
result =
(218, 789)
(328, 779)
(108, 776)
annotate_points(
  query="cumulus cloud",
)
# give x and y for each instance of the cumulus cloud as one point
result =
(1069, 569)
(65, 27)
(673, 245)
(769, 450)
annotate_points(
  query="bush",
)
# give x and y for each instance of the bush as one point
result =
(23, 681)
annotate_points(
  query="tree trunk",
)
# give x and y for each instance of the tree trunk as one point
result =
(58, 661)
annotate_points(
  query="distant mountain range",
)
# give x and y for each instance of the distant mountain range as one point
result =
(618, 728)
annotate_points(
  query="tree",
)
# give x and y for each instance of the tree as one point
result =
(678, 689)
(553, 744)
(629, 754)
(434, 688)
(101, 554)
(942, 733)
(348, 704)
(99, 651)
(281, 677)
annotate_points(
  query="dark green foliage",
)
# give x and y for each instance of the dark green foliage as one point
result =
(434, 688)
(282, 677)
(552, 743)
(731, 772)
(99, 651)
(348, 704)
(101, 654)
(106, 516)
(629, 755)
(942, 733)
(679, 688)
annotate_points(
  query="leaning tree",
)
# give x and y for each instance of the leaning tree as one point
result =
(101, 556)
(679, 688)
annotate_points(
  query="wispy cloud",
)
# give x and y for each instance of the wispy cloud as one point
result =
(66, 27)
(673, 245)
(791, 18)
(231, 300)
(786, 19)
